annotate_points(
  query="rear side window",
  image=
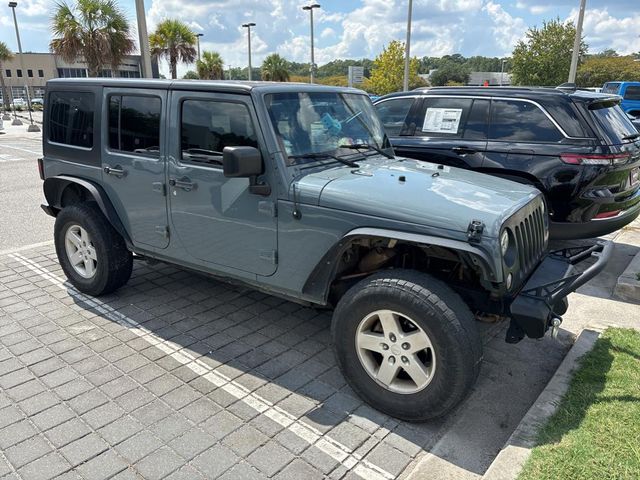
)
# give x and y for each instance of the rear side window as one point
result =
(444, 117)
(134, 124)
(611, 88)
(632, 93)
(71, 118)
(614, 123)
(210, 126)
(393, 114)
(517, 121)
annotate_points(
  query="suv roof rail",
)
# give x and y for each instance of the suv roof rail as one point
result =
(570, 87)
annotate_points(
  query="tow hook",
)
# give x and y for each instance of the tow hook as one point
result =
(555, 326)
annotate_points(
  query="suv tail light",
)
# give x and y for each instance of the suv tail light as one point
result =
(41, 169)
(610, 159)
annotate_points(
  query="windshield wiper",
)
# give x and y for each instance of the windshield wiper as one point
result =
(368, 146)
(318, 156)
(631, 136)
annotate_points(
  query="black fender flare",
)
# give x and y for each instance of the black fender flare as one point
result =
(53, 188)
(319, 281)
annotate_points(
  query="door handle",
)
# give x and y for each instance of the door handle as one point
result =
(463, 150)
(116, 171)
(184, 183)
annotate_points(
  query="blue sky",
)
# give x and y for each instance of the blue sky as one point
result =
(355, 29)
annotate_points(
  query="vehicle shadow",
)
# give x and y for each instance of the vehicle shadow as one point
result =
(282, 352)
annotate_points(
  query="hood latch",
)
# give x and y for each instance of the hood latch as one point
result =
(474, 231)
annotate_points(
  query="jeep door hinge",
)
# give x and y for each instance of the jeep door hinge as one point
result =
(474, 231)
(160, 187)
(268, 207)
(270, 256)
(162, 230)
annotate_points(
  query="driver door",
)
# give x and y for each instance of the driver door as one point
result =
(216, 219)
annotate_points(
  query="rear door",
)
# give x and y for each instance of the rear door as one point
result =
(133, 161)
(631, 99)
(447, 130)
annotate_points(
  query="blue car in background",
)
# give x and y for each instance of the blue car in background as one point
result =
(630, 93)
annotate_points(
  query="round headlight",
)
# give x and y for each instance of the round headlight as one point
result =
(504, 242)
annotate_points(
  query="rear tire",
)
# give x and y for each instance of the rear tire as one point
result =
(93, 256)
(422, 312)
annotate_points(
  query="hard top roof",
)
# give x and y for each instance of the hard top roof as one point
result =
(229, 86)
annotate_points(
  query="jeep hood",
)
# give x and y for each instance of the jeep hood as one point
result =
(416, 192)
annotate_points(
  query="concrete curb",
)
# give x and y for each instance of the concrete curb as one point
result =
(628, 285)
(508, 464)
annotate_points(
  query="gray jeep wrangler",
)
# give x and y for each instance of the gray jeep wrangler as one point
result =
(295, 190)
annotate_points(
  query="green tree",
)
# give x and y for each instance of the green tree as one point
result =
(450, 73)
(274, 69)
(191, 75)
(387, 73)
(95, 30)
(5, 56)
(597, 70)
(211, 66)
(544, 57)
(174, 41)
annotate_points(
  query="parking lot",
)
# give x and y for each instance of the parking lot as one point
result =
(181, 376)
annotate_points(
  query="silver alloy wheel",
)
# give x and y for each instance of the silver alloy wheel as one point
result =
(80, 251)
(395, 352)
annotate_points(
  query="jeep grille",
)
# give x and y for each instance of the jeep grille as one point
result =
(531, 238)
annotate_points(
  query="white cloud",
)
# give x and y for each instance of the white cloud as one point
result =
(602, 31)
(506, 29)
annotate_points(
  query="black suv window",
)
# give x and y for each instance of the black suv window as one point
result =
(614, 123)
(209, 126)
(393, 113)
(632, 93)
(71, 118)
(134, 124)
(518, 121)
(443, 117)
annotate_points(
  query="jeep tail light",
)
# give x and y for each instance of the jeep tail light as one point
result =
(580, 159)
(41, 169)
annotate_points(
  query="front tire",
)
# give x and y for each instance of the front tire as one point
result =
(93, 256)
(407, 344)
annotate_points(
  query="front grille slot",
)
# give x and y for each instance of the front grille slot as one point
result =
(530, 239)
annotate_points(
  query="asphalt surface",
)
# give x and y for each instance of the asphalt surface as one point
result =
(22, 221)
(180, 376)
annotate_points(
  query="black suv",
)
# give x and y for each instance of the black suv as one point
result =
(579, 148)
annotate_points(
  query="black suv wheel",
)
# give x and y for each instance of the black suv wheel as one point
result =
(407, 344)
(93, 256)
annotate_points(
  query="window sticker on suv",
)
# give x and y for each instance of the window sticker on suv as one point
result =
(442, 120)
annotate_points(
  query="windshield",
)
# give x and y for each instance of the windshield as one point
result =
(312, 124)
(614, 123)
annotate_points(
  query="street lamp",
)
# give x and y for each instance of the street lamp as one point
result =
(145, 51)
(198, 35)
(576, 43)
(502, 72)
(407, 49)
(248, 27)
(312, 68)
(32, 127)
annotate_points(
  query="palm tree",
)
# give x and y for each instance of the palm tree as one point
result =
(5, 56)
(211, 67)
(274, 69)
(174, 41)
(96, 30)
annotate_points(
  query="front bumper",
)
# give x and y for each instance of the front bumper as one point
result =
(543, 297)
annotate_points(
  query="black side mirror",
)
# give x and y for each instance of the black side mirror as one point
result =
(245, 162)
(241, 162)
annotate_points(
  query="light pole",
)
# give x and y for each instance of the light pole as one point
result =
(145, 51)
(32, 127)
(502, 72)
(407, 49)
(312, 68)
(198, 35)
(248, 27)
(576, 43)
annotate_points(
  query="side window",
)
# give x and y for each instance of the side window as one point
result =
(393, 113)
(477, 124)
(517, 121)
(632, 93)
(209, 126)
(134, 124)
(444, 117)
(611, 88)
(71, 118)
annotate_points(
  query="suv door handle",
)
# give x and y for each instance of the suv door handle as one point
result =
(116, 171)
(463, 150)
(184, 183)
